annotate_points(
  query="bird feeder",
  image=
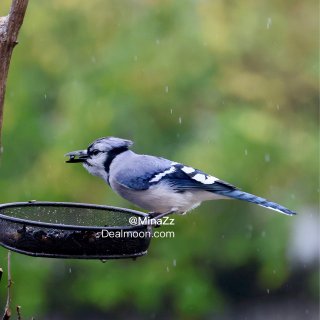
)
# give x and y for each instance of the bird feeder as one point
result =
(73, 230)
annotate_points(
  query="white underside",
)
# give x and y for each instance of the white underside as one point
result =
(162, 199)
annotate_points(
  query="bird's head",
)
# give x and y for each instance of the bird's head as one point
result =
(99, 155)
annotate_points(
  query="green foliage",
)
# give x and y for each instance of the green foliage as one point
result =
(227, 87)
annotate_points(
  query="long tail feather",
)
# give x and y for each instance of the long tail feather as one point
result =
(240, 195)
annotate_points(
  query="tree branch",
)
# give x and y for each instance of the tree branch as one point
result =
(9, 30)
(7, 311)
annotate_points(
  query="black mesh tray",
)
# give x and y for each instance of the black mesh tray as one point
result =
(72, 230)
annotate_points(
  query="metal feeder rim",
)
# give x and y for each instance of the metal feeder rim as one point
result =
(68, 256)
(70, 204)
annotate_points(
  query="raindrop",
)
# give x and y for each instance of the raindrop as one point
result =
(70, 270)
(174, 262)
(274, 271)
(278, 107)
(135, 58)
(267, 157)
(171, 111)
(245, 152)
(157, 41)
(93, 59)
(269, 23)
(45, 96)
(168, 270)
(166, 89)
(268, 291)
(263, 234)
(180, 120)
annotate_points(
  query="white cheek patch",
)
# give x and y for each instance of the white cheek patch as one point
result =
(160, 175)
(188, 170)
(204, 179)
(96, 171)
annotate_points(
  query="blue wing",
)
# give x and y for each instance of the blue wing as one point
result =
(183, 178)
(186, 178)
(140, 170)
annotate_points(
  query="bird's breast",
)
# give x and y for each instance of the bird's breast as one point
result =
(159, 198)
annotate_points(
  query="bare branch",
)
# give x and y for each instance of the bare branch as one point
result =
(7, 311)
(9, 29)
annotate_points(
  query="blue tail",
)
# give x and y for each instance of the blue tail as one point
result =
(240, 195)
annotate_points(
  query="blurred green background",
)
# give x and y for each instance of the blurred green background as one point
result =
(228, 87)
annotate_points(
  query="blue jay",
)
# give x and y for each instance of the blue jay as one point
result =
(157, 184)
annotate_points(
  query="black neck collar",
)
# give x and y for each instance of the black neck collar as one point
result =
(111, 155)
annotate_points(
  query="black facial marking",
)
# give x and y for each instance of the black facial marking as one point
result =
(111, 155)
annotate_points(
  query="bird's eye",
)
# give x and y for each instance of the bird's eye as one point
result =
(95, 152)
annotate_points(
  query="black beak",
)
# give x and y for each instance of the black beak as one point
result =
(77, 156)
